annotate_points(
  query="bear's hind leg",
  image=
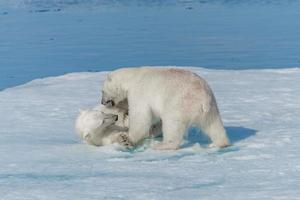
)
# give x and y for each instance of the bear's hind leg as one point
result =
(215, 130)
(173, 133)
(139, 124)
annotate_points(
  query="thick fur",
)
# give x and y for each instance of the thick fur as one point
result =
(102, 126)
(177, 97)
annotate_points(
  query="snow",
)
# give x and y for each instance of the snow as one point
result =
(42, 157)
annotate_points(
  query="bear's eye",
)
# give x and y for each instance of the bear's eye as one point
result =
(110, 103)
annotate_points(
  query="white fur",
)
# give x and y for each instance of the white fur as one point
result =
(98, 126)
(178, 97)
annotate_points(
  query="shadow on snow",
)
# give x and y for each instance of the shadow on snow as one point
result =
(235, 134)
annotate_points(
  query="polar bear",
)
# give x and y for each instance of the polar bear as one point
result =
(177, 97)
(102, 126)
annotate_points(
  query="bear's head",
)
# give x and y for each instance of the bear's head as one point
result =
(91, 122)
(112, 92)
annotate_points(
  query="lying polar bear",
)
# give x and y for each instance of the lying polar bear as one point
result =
(103, 126)
(177, 97)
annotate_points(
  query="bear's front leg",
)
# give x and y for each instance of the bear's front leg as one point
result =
(139, 123)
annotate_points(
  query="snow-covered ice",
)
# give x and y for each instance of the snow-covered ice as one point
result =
(42, 158)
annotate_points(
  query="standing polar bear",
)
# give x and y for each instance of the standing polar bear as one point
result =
(179, 98)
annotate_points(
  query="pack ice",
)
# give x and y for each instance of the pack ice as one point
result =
(41, 157)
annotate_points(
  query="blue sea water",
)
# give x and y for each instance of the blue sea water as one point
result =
(40, 38)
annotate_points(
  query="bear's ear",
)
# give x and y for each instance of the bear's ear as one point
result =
(108, 77)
